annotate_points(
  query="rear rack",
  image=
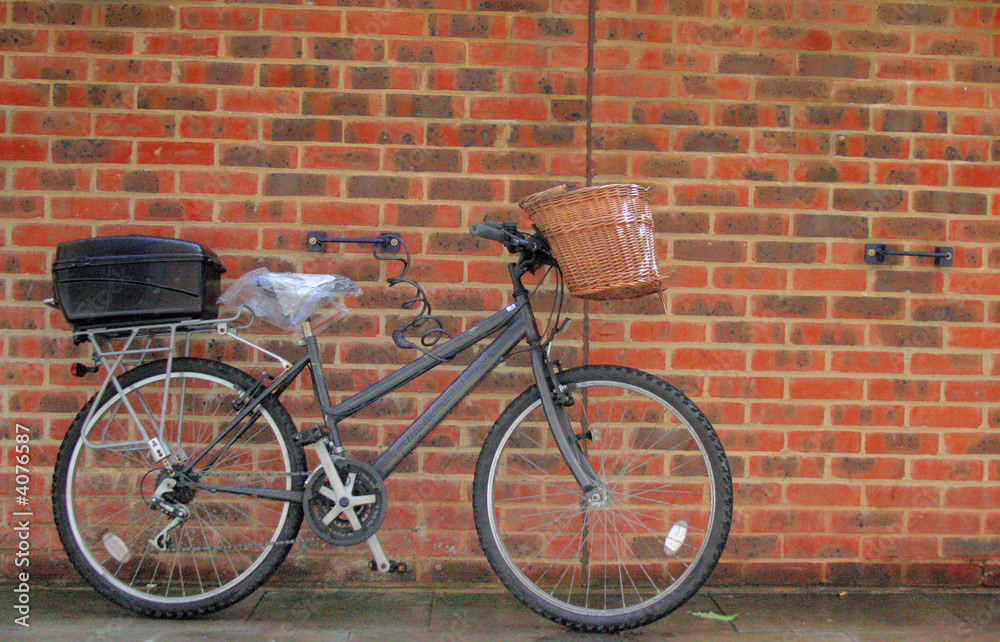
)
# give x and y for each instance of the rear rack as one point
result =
(119, 348)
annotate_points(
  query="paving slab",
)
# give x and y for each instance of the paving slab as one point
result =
(980, 611)
(862, 615)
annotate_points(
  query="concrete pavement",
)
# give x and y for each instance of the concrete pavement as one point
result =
(284, 615)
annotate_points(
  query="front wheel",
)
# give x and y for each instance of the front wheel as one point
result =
(651, 539)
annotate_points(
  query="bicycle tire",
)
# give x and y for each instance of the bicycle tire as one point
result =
(230, 545)
(666, 516)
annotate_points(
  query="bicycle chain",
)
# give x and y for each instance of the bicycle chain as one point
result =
(206, 549)
(230, 547)
(215, 474)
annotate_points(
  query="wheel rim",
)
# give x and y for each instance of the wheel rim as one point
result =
(609, 558)
(227, 537)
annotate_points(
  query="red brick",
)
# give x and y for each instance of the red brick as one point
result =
(746, 387)
(785, 37)
(904, 390)
(775, 414)
(25, 94)
(216, 73)
(175, 153)
(176, 98)
(949, 96)
(340, 213)
(22, 206)
(50, 123)
(923, 69)
(222, 237)
(825, 388)
(23, 149)
(903, 497)
(95, 42)
(35, 178)
(867, 415)
(93, 96)
(180, 44)
(829, 279)
(868, 361)
(972, 391)
(163, 209)
(387, 23)
(302, 20)
(947, 364)
(867, 468)
(85, 208)
(515, 108)
(260, 101)
(824, 494)
(218, 182)
(133, 70)
(219, 127)
(938, 522)
(947, 469)
(976, 176)
(121, 180)
(820, 546)
(904, 548)
(135, 125)
(24, 40)
(507, 55)
(706, 34)
(220, 19)
(910, 443)
(49, 68)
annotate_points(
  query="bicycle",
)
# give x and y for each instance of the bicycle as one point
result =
(602, 496)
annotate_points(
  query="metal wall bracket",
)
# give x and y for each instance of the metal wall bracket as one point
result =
(877, 253)
(388, 243)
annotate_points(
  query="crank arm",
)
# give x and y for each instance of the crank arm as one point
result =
(382, 563)
(339, 495)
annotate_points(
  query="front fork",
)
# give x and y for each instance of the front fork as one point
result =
(554, 406)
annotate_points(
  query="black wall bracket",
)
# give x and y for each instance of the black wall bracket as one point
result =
(388, 243)
(877, 253)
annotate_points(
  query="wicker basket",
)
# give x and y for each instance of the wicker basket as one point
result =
(602, 237)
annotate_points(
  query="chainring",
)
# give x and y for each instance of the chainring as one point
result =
(328, 520)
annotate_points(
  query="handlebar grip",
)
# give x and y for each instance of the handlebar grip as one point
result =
(488, 232)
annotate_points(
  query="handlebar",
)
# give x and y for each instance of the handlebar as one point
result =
(508, 235)
(488, 232)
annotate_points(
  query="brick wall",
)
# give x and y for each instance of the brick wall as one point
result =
(858, 403)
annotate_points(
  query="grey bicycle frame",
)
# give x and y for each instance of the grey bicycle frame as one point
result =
(519, 325)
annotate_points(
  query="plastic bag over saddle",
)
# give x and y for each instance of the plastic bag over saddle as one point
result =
(286, 299)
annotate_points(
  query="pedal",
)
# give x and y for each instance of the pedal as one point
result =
(394, 566)
(310, 435)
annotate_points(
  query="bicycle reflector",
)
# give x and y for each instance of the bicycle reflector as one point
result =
(675, 538)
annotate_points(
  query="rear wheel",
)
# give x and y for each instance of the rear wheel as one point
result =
(656, 532)
(224, 545)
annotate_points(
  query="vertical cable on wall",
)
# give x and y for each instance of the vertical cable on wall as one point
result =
(591, 45)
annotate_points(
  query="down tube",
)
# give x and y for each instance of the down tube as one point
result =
(452, 395)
